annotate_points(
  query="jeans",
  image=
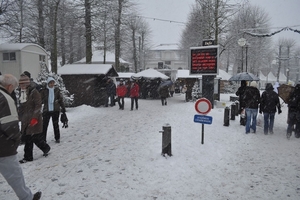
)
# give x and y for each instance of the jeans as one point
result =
(251, 114)
(268, 122)
(12, 172)
(55, 120)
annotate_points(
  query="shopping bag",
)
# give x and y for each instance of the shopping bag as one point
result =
(260, 120)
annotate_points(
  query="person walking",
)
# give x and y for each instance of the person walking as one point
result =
(240, 93)
(294, 112)
(111, 92)
(164, 94)
(9, 140)
(134, 94)
(269, 100)
(172, 89)
(53, 103)
(31, 119)
(121, 93)
(251, 97)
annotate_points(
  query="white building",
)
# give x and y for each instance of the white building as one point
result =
(19, 57)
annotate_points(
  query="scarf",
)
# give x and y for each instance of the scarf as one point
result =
(51, 99)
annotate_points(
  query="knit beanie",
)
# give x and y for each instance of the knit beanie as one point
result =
(253, 84)
(24, 80)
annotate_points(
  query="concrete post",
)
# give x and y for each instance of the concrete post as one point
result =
(226, 116)
(166, 140)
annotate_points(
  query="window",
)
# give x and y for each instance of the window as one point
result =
(9, 56)
(42, 58)
(168, 62)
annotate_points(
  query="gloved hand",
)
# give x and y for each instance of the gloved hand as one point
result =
(260, 112)
(33, 122)
(279, 111)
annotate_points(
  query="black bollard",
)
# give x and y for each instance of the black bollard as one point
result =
(226, 116)
(237, 108)
(232, 111)
(166, 140)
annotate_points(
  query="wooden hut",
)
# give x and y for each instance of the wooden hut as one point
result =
(87, 82)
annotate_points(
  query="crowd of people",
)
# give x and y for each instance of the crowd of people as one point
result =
(25, 106)
(252, 102)
(132, 89)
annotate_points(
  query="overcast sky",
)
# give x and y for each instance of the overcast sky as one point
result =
(281, 12)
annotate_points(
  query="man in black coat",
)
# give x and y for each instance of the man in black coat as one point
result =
(268, 102)
(294, 112)
(240, 94)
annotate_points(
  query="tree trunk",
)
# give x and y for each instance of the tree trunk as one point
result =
(41, 21)
(118, 37)
(88, 31)
(54, 47)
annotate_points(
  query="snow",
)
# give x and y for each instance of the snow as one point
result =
(113, 154)
(98, 57)
(150, 73)
(15, 46)
(84, 69)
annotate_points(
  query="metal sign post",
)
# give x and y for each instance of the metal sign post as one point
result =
(203, 106)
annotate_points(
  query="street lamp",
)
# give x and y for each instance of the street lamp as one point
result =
(287, 75)
(242, 42)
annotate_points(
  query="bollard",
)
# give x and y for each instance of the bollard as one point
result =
(226, 116)
(166, 140)
(232, 111)
(237, 108)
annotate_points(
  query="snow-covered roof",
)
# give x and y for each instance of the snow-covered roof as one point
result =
(261, 76)
(98, 57)
(15, 46)
(125, 75)
(166, 47)
(84, 69)
(151, 74)
(224, 75)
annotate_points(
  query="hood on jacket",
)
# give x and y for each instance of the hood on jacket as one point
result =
(269, 86)
(49, 79)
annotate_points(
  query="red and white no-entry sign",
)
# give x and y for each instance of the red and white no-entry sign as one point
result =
(203, 106)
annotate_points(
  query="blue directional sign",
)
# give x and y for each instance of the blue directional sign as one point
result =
(203, 119)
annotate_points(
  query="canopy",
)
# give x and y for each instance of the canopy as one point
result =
(150, 74)
(244, 76)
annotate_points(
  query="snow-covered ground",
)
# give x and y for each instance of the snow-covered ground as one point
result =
(107, 153)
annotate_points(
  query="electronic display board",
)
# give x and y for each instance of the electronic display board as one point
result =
(204, 60)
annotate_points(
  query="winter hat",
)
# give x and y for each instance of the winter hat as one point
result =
(24, 80)
(49, 79)
(253, 84)
(27, 74)
(269, 86)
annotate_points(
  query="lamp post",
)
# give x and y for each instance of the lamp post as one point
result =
(242, 42)
(247, 45)
(287, 75)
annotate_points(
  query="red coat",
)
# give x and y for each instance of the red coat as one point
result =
(121, 90)
(134, 90)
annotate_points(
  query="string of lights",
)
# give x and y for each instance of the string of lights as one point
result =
(273, 33)
(163, 20)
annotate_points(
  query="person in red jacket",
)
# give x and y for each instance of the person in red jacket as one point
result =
(121, 92)
(134, 94)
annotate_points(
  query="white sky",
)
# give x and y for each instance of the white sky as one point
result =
(282, 13)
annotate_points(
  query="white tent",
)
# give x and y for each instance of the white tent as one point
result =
(184, 73)
(270, 78)
(150, 74)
